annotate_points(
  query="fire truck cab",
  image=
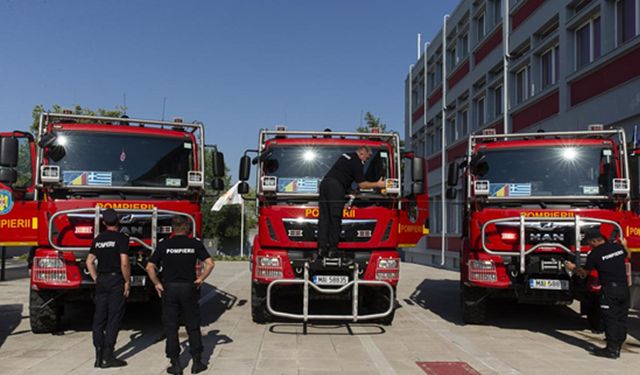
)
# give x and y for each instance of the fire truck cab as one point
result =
(528, 199)
(53, 187)
(287, 280)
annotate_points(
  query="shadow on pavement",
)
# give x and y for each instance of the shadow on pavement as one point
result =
(442, 298)
(10, 317)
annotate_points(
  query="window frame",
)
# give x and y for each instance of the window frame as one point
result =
(616, 33)
(554, 51)
(590, 24)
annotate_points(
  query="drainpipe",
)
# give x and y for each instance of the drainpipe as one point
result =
(443, 188)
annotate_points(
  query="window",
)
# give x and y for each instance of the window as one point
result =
(453, 58)
(431, 81)
(463, 122)
(464, 46)
(588, 42)
(480, 27)
(626, 20)
(522, 85)
(431, 139)
(438, 142)
(452, 133)
(497, 101)
(497, 11)
(24, 164)
(438, 72)
(480, 112)
(549, 65)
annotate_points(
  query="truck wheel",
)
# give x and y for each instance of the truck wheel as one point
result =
(384, 304)
(473, 304)
(44, 319)
(259, 312)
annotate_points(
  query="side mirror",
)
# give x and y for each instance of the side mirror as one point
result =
(452, 174)
(8, 152)
(217, 163)
(245, 168)
(8, 176)
(451, 193)
(56, 153)
(217, 184)
(417, 187)
(243, 187)
(417, 169)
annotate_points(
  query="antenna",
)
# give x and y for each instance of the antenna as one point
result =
(164, 104)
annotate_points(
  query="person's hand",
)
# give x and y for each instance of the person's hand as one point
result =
(623, 242)
(381, 183)
(569, 266)
(127, 289)
(198, 283)
(159, 289)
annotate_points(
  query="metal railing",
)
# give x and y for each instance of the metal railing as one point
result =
(354, 284)
(96, 226)
(521, 222)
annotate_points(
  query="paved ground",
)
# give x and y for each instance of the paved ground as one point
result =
(517, 339)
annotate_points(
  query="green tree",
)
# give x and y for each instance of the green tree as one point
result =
(77, 110)
(371, 123)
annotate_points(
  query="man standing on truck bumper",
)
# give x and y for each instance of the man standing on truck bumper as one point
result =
(609, 260)
(178, 257)
(112, 278)
(333, 190)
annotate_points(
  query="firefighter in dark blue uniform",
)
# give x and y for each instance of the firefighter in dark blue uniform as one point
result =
(609, 260)
(178, 257)
(333, 190)
(112, 277)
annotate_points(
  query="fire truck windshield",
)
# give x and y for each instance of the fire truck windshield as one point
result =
(300, 168)
(116, 159)
(547, 171)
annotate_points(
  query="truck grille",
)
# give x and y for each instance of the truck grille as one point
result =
(306, 230)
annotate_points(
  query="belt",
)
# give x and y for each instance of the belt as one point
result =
(109, 273)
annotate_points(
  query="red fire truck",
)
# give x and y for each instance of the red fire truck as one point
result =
(286, 280)
(53, 186)
(527, 200)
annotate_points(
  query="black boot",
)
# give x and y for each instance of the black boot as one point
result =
(197, 365)
(175, 367)
(98, 357)
(109, 360)
(606, 353)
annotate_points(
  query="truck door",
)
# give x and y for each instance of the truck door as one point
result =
(413, 218)
(18, 209)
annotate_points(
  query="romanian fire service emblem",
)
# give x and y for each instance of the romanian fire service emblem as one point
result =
(6, 202)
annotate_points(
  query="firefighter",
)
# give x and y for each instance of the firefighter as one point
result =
(333, 189)
(178, 256)
(112, 277)
(609, 260)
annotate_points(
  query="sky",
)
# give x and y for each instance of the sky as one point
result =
(236, 65)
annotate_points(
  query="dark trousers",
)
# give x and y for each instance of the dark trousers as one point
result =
(110, 305)
(614, 302)
(331, 204)
(180, 303)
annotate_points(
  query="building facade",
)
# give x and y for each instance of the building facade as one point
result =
(571, 63)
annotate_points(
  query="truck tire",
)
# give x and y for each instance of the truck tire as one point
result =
(383, 304)
(259, 313)
(473, 305)
(43, 319)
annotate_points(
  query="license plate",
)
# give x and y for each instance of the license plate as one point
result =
(330, 280)
(549, 284)
(138, 280)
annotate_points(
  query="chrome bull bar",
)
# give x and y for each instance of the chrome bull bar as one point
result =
(521, 221)
(95, 213)
(306, 283)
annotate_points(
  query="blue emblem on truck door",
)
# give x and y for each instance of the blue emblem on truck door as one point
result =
(6, 202)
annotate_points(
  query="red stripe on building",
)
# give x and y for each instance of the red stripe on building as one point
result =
(417, 115)
(434, 98)
(619, 71)
(458, 74)
(536, 112)
(527, 9)
(488, 45)
(457, 151)
(453, 243)
(434, 163)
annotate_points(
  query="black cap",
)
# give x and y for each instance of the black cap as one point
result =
(110, 217)
(592, 234)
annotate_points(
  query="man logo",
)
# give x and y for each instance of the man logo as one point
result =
(546, 237)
